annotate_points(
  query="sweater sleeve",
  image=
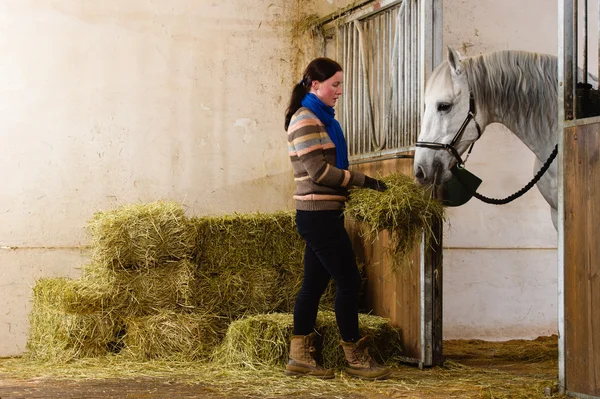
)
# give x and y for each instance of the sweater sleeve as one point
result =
(310, 145)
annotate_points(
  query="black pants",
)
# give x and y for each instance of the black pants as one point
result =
(328, 254)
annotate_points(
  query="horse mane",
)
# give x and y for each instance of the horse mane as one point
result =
(520, 85)
(515, 86)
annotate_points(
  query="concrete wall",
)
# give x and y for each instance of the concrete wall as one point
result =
(111, 102)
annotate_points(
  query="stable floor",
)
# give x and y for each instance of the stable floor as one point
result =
(473, 369)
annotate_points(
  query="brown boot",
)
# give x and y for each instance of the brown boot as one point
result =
(302, 358)
(361, 364)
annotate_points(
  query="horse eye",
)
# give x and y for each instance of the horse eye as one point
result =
(444, 107)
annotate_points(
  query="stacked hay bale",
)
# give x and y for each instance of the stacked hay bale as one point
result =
(164, 286)
(140, 266)
(161, 285)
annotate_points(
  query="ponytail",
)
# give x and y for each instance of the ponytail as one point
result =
(295, 102)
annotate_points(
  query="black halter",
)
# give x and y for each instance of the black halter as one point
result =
(457, 137)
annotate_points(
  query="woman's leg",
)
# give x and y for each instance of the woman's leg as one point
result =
(314, 283)
(326, 236)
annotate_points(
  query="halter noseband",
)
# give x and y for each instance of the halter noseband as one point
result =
(457, 137)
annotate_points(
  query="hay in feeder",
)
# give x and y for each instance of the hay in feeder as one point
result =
(263, 341)
(172, 286)
(404, 210)
(56, 334)
(173, 336)
(141, 236)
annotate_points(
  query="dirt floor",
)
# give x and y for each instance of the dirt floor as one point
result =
(473, 369)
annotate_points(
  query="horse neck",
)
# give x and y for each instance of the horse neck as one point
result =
(524, 103)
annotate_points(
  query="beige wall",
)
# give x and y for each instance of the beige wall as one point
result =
(112, 101)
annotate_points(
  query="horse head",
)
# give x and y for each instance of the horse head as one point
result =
(447, 130)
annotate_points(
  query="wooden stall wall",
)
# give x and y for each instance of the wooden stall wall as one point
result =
(397, 295)
(582, 259)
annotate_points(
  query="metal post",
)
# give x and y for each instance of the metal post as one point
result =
(585, 40)
(565, 112)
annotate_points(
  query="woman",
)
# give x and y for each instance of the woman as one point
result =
(319, 158)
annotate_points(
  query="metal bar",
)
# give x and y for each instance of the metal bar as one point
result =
(357, 11)
(575, 54)
(582, 122)
(381, 153)
(355, 86)
(379, 159)
(565, 112)
(585, 40)
(423, 280)
(405, 74)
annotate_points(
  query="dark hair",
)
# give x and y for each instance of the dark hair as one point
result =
(319, 69)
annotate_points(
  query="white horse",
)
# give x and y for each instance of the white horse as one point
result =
(515, 88)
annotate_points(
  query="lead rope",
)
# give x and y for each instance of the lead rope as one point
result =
(519, 193)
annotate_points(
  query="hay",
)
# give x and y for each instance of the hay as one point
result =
(262, 341)
(404, 210)
(248, 241)
(172, 286)
(141, 235)
(57, 335)
(250, 263)
(173, 336)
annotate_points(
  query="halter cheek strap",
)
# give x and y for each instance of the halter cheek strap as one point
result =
(451, 147)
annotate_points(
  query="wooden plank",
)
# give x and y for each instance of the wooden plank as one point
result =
(388, 294)
(582, 259)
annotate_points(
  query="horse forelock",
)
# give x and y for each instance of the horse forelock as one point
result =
(440, 81)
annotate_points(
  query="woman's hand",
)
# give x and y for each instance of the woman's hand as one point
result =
(374, 184)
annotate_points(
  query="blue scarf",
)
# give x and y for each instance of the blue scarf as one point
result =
(326, 114)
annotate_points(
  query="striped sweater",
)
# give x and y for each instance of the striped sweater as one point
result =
(319, 184)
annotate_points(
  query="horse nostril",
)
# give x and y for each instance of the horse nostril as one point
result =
(420, 173)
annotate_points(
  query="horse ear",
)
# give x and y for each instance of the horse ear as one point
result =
(454, 61)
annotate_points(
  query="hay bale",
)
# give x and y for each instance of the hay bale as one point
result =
(404, 210)
(59, 335)
(263, 340)
(141, 236)
(248, 241)
(251, 263)
(172, 286)
(173, 336)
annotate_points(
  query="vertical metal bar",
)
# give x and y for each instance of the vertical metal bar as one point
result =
(405, 71)
(424, 11)
(575, 55)
(411, 74)
(585, 40)
(565, 112)
(438, 35)
(353, 111)
(347, 82)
